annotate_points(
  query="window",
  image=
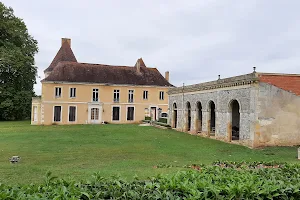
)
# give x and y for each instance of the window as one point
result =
(116, 95)
(130, 113)
(116, 114)
(72, 92)
(95, 94)
(161, 95)
(57, 113)
(34, 113)
(145, 95)
(130, 96)
(72, 113)
(57, 92)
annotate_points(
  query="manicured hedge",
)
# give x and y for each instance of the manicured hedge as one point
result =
(148, 118)
(204, 182)
(163, 120)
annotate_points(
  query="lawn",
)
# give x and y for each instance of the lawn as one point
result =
(78, 151)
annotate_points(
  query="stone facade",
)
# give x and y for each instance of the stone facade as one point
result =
(262, 109)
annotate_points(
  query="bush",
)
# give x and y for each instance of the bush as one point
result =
(163, 120)
(203, 182)
(148, 118)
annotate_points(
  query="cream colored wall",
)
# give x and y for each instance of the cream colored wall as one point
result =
(84, 95)
(38, 120)
(278, 117)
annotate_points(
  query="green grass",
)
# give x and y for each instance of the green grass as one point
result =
(78, 151)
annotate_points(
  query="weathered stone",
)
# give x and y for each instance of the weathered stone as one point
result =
(268, 115)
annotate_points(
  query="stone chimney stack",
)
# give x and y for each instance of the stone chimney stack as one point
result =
(167, 76)
(138, 67)
(68, 40)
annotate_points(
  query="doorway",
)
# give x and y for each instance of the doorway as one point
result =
(174, 125)
(198, 127)
(212, 118)
(95, 115)
(189, 116)
(235, 120)
(153, 113)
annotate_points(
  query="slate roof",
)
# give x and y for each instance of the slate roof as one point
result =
(107, 74)
(288, 82)
(65, 53)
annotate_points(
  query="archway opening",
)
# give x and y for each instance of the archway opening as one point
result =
(189, 116)
(235, 120)
(174, 125)
(199, 117)
(212, 113)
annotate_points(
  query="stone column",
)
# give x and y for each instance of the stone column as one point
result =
(193, 121)
(205, 128)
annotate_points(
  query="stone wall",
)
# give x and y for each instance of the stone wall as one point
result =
(245, 95)
(278, 117)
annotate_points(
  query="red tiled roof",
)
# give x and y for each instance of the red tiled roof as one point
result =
(65, 53)
(288, 82)
(108, 74)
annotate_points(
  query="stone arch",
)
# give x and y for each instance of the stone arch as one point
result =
(174, 115)
(188, 116)
(234, 120)
(198, 121)
(211, 122)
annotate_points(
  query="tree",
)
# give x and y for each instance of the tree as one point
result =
(17, 70)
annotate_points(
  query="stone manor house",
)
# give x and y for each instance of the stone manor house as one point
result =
(85, 93)
(256, 109)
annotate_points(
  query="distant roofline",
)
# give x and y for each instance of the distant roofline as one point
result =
(244, 79)
(277, 74)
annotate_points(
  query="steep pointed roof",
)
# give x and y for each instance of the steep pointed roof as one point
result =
(65, 53)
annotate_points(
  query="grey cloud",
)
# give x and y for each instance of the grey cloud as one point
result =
(194, 40)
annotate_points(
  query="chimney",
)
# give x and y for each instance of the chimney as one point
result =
(139, 63)
(138, 66)
(167, 75)
(68, 40)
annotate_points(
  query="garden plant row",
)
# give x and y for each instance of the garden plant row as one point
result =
(222, 180)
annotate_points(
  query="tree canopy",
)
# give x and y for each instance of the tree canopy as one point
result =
(17, 70)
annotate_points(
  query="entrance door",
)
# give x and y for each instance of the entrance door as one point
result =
(153, 113)
(95, 116)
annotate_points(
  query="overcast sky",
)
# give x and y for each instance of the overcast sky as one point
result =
(194, 40)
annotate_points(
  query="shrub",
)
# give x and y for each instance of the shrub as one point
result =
(148, 118)
(163, 120)
(206, 182)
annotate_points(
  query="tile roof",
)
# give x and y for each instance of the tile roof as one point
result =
(65, 53)
(288, 82)
(107, 74)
